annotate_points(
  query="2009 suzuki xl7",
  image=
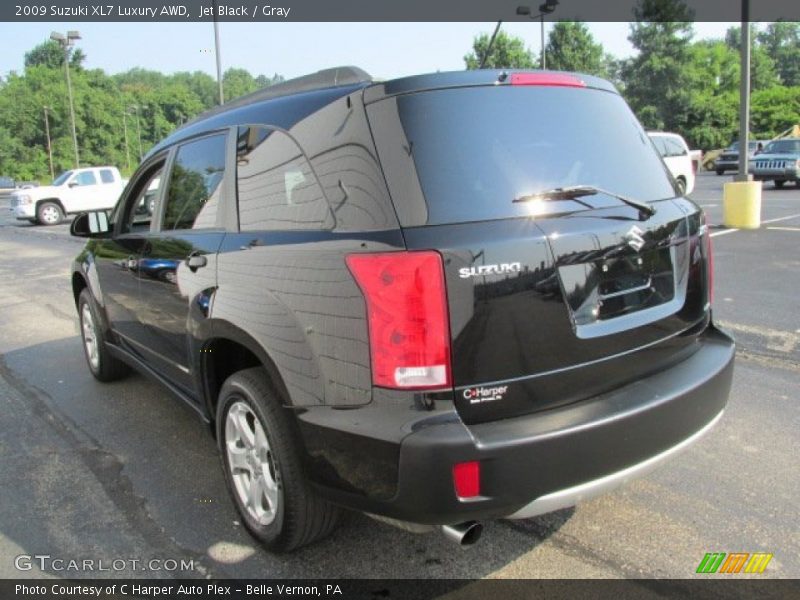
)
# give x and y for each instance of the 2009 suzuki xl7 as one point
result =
(438, 300)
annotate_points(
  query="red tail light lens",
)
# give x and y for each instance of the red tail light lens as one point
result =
(409, 331)
(709, 259)
(467, 479)
(547, 79)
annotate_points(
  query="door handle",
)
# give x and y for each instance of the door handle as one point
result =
(195, 261)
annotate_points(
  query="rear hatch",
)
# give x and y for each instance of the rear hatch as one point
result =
(551, 300)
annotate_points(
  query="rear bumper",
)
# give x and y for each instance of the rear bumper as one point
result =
(552, 459)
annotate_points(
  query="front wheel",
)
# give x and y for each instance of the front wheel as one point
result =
(102, 364)
(720, 171)
(681, 185)
(262, 464)
(49, 213)
(779, 183)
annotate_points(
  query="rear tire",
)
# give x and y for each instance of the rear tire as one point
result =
(261, 459)
(779, 183)
(49, 213)
(720, 171)
(102, 364)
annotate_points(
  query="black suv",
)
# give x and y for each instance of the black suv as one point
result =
(437, 300)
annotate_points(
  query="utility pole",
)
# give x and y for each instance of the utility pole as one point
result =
(135, 107)
(49, 147)
(125, 132)
(66, 42)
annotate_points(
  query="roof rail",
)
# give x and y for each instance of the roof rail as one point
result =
(326, 78)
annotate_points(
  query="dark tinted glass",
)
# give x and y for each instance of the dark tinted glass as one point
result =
(475, 150)
(277, 189)
(106, 176)
(194, 184)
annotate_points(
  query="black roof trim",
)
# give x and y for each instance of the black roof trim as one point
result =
(327, 78)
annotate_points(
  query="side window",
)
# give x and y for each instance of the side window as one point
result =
(658, 141)
(277, 189)
(195, 184)
(85, 178)
(106, 176)
(674, 147)
(142, 202)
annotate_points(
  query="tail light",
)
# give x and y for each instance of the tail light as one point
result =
(709, 259)
(467, 479)
(409, 331)
(547, 79)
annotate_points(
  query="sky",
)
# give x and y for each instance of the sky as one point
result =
(291, 49)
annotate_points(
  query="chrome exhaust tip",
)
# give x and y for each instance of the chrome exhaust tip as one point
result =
(463, 534)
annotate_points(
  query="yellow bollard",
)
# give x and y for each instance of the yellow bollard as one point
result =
(741, 205)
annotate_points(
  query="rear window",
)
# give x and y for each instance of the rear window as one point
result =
(465, 154)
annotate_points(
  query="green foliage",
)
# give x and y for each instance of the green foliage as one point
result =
(571, 47)
(762, 67)
(106, 107)
(781, 41)
(508, 52)
(775, 110)
(657, 80)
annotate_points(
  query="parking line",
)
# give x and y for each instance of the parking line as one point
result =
(778, 220)
(785, 228)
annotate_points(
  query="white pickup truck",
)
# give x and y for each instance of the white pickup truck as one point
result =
(93, 188)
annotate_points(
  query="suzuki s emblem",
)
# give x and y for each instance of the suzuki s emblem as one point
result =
(634, 238)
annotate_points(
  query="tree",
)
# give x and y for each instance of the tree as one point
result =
(656, 81)
(51, 54)
(781, 41)
(508, 52)
(571, 47)
(762, 66)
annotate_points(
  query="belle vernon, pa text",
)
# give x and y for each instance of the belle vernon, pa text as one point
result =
(134, 589)
(151, 12)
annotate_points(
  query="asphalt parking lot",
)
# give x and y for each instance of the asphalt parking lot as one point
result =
(124, 471)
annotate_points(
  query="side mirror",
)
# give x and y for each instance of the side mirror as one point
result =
(73, 184)
(90, 225)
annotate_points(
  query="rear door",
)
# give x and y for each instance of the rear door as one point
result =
(554, 301)
(177, 268)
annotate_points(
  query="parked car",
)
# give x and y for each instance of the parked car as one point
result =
(93, 188)
(729, 159)
(675, 152)
(7, 185)
(418, 298)
(779, 162)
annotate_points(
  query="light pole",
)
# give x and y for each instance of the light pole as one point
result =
(544, 9)
(135, 108)
(744, 93)
(49, 147)
(66, 42)
(217, 50)
(125, 132)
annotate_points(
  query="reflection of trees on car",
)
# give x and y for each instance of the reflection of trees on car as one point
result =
(188, 192)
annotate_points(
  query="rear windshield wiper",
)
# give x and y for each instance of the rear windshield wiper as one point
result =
(577, 191)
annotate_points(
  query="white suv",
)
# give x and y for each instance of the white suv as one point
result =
(673, 149)
(94, 188)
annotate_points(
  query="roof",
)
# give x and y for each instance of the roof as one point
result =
(286, 103)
